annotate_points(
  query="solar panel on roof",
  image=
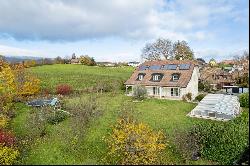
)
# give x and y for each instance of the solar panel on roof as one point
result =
(143, 67)
(184, 66)
(170, 67)
(155, 67)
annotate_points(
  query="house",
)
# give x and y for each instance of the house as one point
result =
(228, 62)
(134, 64)
(170, 79)
(75, 61)
(216, 77)
(106, 64)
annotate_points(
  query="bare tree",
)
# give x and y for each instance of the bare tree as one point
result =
(160, 49)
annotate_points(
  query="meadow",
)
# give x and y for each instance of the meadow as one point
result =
(71, 142)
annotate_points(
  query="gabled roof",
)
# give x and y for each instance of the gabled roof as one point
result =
(185, 75)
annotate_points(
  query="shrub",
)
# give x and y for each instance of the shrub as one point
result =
(3, 121)
(139, 92)
(134, 143)
(57, 117)
(187, 97)
(244, 100)
(8, 155)
(187, 143)
(63, 89)
(6, 138)
(223, 142)
(200, 97)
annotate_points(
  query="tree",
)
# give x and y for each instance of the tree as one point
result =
(73, 56)
(133, 143)
(201, 60)
(165, 49)
(182, 51)
(86, 60)
(59, 60)
(161, 48)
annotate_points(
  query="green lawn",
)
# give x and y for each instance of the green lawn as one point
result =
(78, 76)
(57, 146)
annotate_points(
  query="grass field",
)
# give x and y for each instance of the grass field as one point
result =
(56, 147)
(79, 76)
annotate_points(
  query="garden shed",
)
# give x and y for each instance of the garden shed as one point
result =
(217, 107)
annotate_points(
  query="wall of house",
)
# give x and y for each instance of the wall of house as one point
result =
(192, 86)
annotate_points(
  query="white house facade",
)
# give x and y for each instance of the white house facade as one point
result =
(169, 79)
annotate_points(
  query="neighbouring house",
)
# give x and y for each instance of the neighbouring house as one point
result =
(106, 64)
(134, 64)
(228, 62)
(75, 61)
(217, 77)
(170, 79)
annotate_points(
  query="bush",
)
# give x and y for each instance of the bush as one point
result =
(3, 121)
(244, 100)
(200, 97)
(6, 138)
(134, 143)
(57, 117)
(139, 92)
(8, 155)
(223, 142)
(187, 97)
(64, 89)
(187, 144)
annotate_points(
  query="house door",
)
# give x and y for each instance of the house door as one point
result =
(156, 90)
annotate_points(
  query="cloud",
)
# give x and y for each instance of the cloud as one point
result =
(63, 20)
(7, 50)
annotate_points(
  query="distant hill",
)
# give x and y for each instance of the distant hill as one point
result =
(15, 59)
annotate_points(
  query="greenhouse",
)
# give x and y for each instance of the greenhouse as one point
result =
(217, 107)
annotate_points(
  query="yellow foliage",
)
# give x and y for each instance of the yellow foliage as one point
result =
(15, 82)
(7, 155)
(135, 143)
(3, 121)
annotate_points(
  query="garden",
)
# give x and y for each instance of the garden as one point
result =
(97, 124)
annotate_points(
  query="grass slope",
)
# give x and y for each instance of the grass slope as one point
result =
(56, 147)
(79, 76)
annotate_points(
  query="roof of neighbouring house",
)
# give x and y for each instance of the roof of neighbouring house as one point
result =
(74, 60)
(167, 68)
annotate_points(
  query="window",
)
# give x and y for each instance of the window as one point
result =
(156, 77)
(174, 92)
(156, 90)
(175, 77)
(140, 77)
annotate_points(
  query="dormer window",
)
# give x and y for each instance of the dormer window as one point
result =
(140, 76)
(157, 77)
(175, 77)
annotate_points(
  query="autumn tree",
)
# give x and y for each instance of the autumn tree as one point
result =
(134, 143)
(86, 60)
(182, 51)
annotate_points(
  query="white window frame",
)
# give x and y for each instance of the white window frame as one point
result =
(156, 77)
(156, 90)
(175, 77)
(140, 77)
(175, 92)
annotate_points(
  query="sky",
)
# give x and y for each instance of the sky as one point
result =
(117, 30)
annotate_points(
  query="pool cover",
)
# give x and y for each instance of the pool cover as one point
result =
(217, 107)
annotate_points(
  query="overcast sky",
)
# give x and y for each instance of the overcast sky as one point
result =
(117, 30)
